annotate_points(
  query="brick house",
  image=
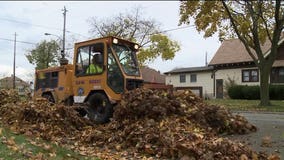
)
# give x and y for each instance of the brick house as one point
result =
(150, 75)
(154, 79)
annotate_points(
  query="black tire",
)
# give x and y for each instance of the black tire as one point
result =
(82, 111)
(99, 108)
(69, 101)
(49, 97)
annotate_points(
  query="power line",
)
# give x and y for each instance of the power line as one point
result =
(40, 26)
(173, 29)
(21, 22)
(47, 27)
(168, 30)
(5, 39)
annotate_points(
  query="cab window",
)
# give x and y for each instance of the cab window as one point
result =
(47, 80)
(115, 78)
(90, 60)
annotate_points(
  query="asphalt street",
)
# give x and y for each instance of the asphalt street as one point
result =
(270, 134)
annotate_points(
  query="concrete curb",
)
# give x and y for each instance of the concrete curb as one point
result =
(257, 112)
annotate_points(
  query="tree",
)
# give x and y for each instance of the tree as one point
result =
(45, 54)
(252, 22)
(133, 27)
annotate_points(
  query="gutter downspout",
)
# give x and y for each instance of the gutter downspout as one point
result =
(214, 84)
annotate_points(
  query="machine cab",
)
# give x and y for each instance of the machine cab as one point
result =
(106, 65)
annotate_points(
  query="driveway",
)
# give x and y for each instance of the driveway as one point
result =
(270, 134)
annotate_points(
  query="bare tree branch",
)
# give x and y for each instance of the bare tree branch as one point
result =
(255, 20)
(238, 33)
(265, 24)
(276, 33)
(135, 24)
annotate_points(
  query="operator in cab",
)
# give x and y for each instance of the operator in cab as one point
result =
(95, 67)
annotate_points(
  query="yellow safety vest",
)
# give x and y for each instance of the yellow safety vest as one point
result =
(94, 69)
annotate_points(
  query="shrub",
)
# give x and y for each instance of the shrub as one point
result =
(228, 84)
(235, 92)
(276, 92)
(251, 92)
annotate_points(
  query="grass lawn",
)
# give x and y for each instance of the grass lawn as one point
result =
(14, 146)
(248, 105)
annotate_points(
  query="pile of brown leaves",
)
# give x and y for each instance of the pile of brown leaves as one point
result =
(145, 103)
(8, 96)
(161, 124)
(42, 119)
(146, 123)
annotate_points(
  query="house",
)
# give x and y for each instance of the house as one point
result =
(150, 75)
(21, 86)
(154, 79)
(197, 79)
(230, 62)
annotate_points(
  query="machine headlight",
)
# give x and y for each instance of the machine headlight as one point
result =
(115, 41)
(136, 46)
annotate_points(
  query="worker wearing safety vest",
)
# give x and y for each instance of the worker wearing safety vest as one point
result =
(94, 68)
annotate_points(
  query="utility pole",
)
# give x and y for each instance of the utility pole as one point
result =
(206, 63)
(64, 28)
(63, 60)
(14, 64)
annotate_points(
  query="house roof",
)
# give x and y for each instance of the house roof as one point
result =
(278, 63)
(8, 82)
(233, 51)
(190, 69)
(11, 79)
(152, 76)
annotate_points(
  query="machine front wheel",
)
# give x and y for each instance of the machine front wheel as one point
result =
(49, 97)
(99, 108)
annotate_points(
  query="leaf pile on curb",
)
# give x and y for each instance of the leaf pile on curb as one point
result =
(146, 124)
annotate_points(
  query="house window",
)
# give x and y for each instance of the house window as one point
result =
(277, 75)
(193, 78)
(250, 75)
(182, 78)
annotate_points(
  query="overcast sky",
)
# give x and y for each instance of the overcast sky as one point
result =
(30, 20)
